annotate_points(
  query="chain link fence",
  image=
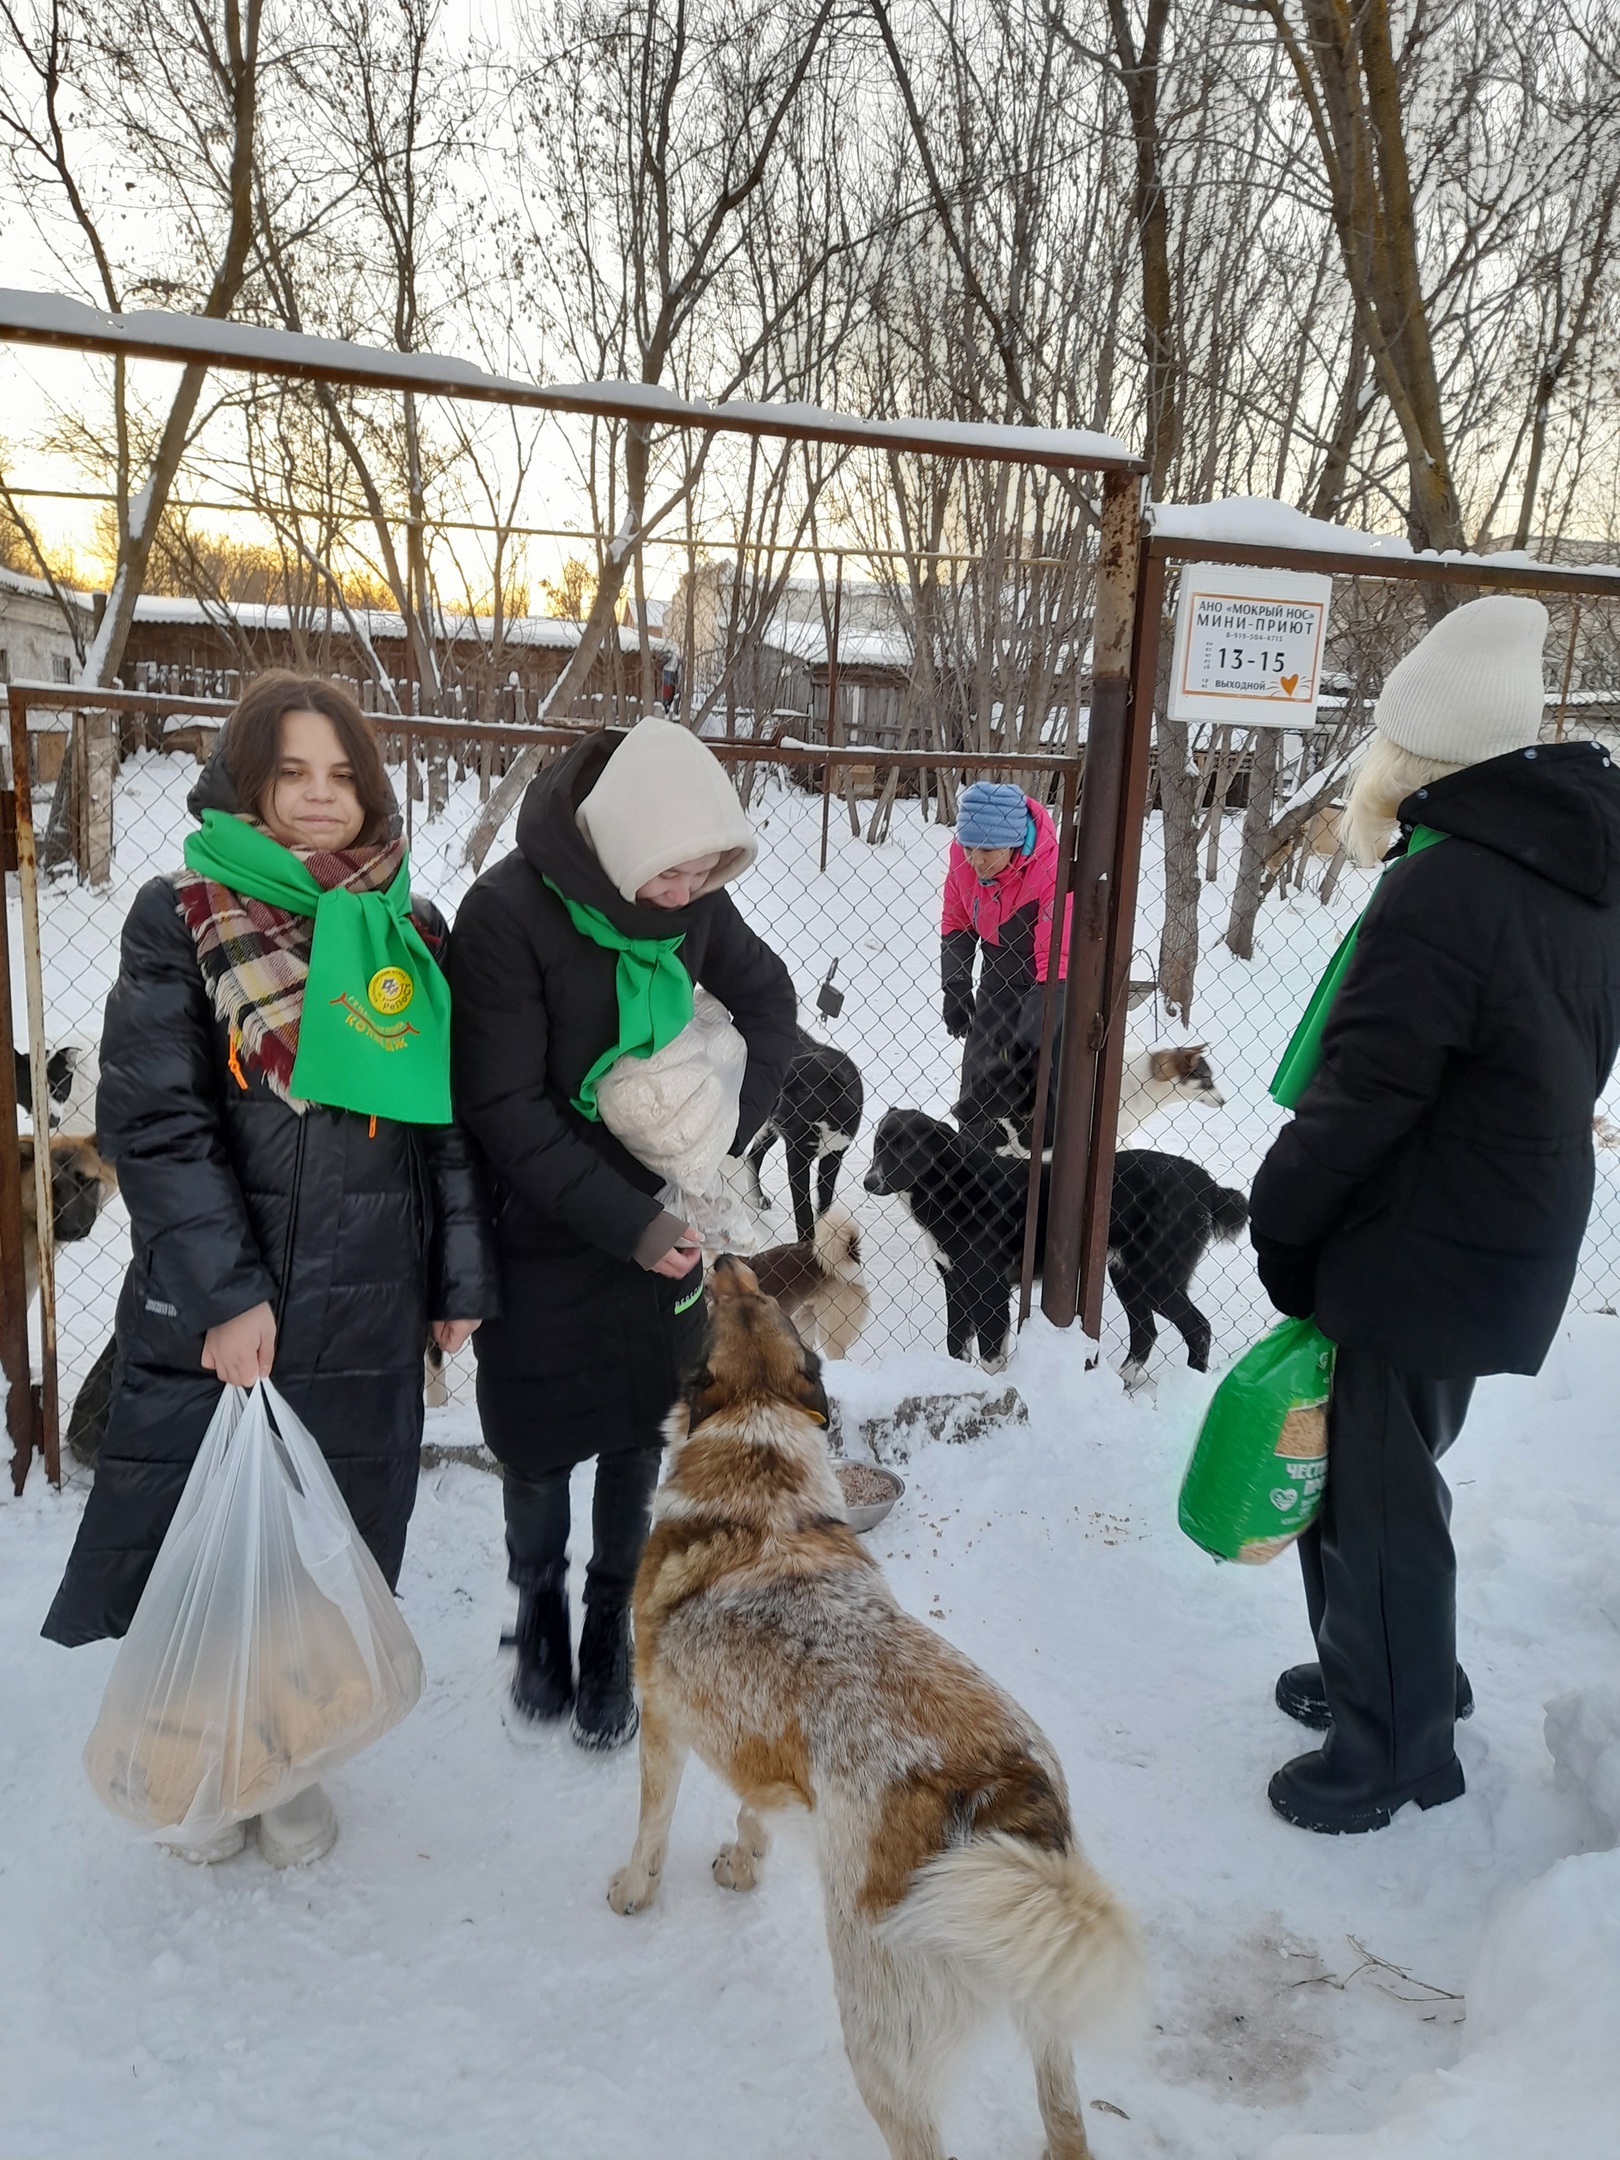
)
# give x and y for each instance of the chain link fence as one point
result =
(847, 889)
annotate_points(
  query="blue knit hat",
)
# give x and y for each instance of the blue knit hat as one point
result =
(992, 813)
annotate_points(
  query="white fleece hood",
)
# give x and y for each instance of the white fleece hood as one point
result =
(663, 798)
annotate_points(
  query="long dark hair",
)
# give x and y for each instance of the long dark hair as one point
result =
(252, 743)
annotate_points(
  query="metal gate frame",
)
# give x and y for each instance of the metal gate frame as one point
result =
(1109, 851)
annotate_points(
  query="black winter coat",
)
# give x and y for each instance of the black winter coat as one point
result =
(357, 1239)
(588, 1354)
(1432, 1191)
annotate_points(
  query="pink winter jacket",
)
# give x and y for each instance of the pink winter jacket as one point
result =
(1028, 881)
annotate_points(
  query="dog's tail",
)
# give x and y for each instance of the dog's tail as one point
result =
(1228, 1212)
(1038, 1926)
(837, 1244)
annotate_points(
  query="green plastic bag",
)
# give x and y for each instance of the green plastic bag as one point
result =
(1257, 1472)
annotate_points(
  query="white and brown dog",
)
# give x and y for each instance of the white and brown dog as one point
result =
(768, 1640)
(1152, 1078)
(819, 1284)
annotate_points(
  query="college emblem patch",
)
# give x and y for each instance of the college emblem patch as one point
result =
(390, 990)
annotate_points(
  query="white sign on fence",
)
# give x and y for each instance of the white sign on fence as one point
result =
(1249, 646)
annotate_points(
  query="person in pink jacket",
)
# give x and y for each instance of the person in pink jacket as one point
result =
(1000, 889)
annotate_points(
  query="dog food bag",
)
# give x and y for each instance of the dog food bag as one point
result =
(677, 1110)
(1257, 1472)
(266, 1648)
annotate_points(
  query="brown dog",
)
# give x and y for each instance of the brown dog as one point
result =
(767, 1639)
(81, 1184)
(819, 1284)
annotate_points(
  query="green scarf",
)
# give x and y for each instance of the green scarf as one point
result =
(654, 989)
(374, 1033)
(1304, 1053)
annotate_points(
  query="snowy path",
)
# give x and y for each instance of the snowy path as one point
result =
(451, 1982)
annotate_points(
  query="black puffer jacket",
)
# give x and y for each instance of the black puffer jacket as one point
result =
(588, 1354)
(358, 1239)
(1432, 1191)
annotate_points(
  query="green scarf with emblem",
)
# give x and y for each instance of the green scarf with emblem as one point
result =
(374, 1030)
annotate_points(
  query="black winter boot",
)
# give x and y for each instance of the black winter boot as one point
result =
(605, 1713)
(1318, 1792)
(1302, 1694)
(543, 1685)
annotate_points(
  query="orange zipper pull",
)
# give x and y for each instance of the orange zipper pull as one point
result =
(371, 1129)
(235, 1062)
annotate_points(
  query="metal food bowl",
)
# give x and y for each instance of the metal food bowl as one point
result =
(867, 1514)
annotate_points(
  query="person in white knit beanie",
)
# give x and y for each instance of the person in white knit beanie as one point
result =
(1470, 690)
(1427, 1203)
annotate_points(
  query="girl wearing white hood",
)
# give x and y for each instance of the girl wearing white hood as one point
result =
(580, 948)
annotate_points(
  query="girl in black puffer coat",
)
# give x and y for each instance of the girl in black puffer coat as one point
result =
(625, 840)
(1427, 1202)
(269, 1234)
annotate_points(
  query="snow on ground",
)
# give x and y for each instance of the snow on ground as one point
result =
(451, 1980)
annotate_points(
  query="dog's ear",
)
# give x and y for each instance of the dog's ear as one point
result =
(703, 1396)
(808, 1391)
(1164, 1065)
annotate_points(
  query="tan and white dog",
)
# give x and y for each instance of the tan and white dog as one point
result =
(768, 1640)
(819, 1284)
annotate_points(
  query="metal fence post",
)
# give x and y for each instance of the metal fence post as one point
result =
(1121, 931)
(13, 1278)
(40, 1103)
(1101, 801)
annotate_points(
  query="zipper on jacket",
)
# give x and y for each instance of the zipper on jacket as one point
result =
(292, 1221)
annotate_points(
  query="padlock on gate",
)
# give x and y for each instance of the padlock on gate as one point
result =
(829, 1002)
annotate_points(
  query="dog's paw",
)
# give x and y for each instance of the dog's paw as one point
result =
(1137, 1379)
(633, 1889)
(996, 1364)
(736, 1866)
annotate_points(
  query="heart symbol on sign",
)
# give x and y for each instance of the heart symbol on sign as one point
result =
(1290, 684)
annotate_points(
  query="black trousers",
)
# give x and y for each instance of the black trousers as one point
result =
(537, 1525)
(1380, 1573)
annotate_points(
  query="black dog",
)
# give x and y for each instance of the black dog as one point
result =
(60, 1066)
(969, 1202)
(817, 1115)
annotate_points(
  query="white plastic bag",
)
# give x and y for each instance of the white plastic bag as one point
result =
(677, 1110)
(266, 1648)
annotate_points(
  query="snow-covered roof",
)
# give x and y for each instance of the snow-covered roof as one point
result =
(253, 615)
(33, 588)
(54, 319)
(809, 642)
(1257, 521)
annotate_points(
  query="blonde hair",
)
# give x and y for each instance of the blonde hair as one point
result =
(1385, 775)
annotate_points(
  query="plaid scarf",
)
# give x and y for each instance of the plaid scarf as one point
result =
(255, 958)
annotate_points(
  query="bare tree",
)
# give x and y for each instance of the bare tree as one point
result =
(650, 137)
(180, 88)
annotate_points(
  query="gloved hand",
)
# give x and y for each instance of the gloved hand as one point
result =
(958, 1012)
(1287, 1274)
(958, 950)
(1028, 1036)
